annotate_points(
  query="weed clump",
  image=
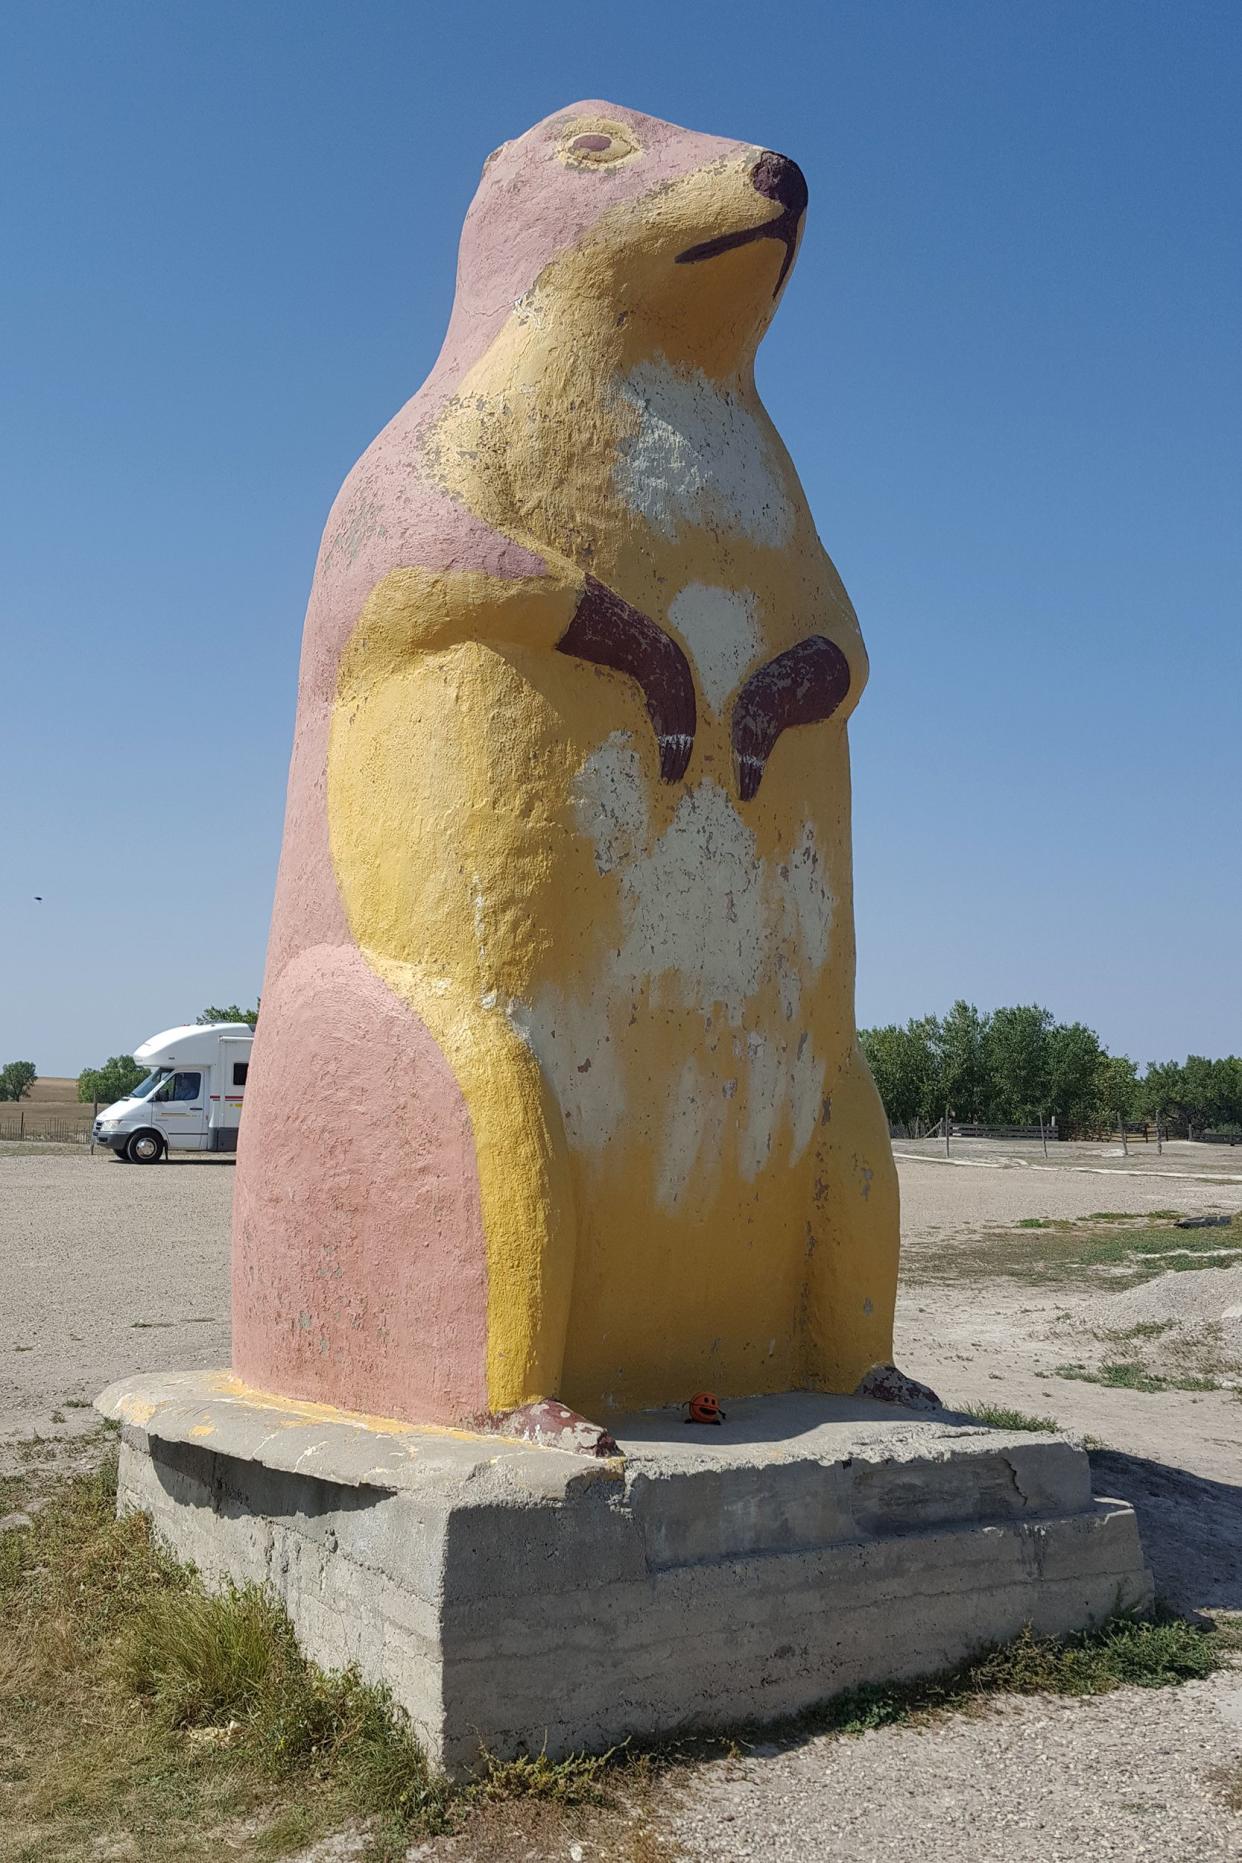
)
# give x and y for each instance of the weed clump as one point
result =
(1130, 1375)
(1128, 1652)
(578, 1780)
(1000, 1417)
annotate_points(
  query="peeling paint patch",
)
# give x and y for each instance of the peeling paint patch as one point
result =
(806, 899)
(610, 803)
(699, 457)
(565, 1030)
(698, 902)
(806, 1087)
(720, 628)
(707, 925)
(695, 906)
(693, 1123)
(767, 1092)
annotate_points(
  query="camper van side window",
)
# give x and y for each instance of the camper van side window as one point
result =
(240, 1069)
(185, 1086)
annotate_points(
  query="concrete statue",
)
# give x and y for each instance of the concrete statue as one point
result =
(556, 1124)
(563, 931)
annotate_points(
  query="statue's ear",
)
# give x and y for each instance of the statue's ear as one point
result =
(492, 157)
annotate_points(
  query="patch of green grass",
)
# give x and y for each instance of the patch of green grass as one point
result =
(135, 1704)
(1000, 1417)
(1130, 1375)
(1185, 1246)
(1146, 1329)
(1052, 1253)
(1125, 1653)
(1033, 1222)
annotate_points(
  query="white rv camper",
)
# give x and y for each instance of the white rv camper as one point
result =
(191, 1099)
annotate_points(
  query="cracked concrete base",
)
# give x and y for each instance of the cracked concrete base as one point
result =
(514, 1596)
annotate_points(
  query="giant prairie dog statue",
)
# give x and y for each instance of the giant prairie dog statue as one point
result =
(556, 1091)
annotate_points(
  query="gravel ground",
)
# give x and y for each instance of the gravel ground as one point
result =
(107, 1269)
(1131, 1775)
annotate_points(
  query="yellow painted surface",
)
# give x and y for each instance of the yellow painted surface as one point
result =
(645, 990)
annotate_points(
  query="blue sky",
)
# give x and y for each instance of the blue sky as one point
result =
(1007, 368)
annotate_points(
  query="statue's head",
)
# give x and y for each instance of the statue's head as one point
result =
(683, 240)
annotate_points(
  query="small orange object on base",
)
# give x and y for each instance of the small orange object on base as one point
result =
(704, 1407)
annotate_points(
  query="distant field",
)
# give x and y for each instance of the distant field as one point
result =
(56, 1087)
(51, 1110)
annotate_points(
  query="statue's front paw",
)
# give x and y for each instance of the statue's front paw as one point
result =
(889, 1386)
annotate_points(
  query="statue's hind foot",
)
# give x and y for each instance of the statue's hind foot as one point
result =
(552, 1425)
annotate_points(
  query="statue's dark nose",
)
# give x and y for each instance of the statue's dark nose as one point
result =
(780, 178)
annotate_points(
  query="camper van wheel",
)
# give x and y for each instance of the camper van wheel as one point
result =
(145, 1148)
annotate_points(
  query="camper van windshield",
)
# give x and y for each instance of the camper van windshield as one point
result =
(151, 1082)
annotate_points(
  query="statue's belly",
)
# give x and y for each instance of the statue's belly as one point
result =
(695, 1033)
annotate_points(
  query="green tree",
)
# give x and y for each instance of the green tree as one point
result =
(1117, 1089)
(232, 1014)
(1229, 1090)
(1074, 1056)
(901, 1064)
(1018, 1063)
(1200, 1093)
(118, 1076)
(960, 1072)
(1162, 1092)
(16, 1079)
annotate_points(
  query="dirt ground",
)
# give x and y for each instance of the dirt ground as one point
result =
(1017, 1271)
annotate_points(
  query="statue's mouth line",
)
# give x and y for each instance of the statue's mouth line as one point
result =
(784, 227)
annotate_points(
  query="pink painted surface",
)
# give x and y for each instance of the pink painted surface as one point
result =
(359, 1272)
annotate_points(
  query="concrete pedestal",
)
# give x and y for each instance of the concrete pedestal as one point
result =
(514, 1596)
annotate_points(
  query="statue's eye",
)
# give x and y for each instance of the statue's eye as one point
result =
(596, 144)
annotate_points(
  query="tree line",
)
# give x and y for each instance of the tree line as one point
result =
(1020, 1066)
